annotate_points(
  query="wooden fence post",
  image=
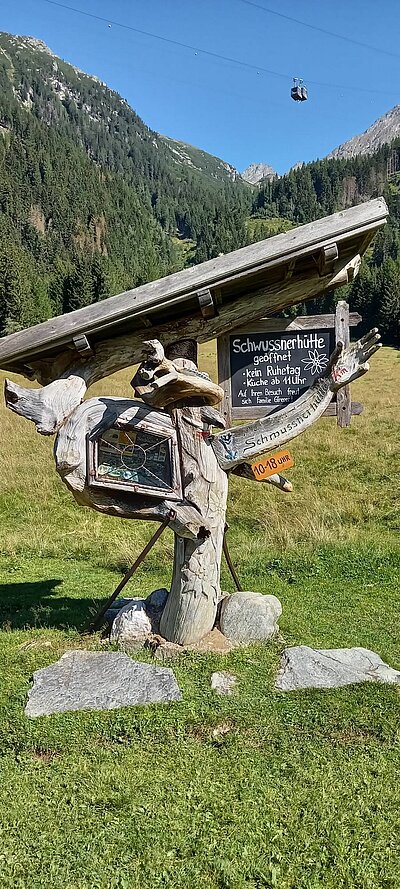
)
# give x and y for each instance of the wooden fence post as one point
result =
(224, 377)
(342, 333)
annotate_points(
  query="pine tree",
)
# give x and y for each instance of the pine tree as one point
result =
(388, 282)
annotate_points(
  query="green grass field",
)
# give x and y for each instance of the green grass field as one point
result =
(296, 791)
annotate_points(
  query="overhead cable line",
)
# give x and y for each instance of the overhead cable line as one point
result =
(206, 52)
(290, 18)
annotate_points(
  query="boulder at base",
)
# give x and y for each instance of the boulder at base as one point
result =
(156, 600)
(304, 667)
(249, 617)
(132, 625)
(92, 680)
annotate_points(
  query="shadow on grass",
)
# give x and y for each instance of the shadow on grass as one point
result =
(38, 605)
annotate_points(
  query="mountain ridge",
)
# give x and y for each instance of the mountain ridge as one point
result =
(382, 132)
(94, 202)
(256, 172)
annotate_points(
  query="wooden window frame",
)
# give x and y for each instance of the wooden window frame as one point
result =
(171, 493)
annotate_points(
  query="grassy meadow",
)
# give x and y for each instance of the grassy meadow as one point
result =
(264, 789)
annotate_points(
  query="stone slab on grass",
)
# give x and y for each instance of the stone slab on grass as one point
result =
(304, 667)
(91, 680)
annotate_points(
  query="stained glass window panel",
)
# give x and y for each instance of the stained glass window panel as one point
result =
(134, 457)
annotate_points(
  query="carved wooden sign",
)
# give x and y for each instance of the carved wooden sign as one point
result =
(167, 456)
(265, 366)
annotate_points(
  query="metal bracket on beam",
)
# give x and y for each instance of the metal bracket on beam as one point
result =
(206, 303)
(82, 345)
(327, 258)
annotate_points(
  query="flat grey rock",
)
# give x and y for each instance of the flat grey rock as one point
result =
(304, 667)
(223, 683)
(132, 625)
(92, 680)
(249, 617)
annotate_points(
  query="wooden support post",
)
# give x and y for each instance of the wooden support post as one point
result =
(342, 334)
(224, 377)
(191, 606)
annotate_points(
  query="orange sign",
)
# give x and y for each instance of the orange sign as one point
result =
(269, 465)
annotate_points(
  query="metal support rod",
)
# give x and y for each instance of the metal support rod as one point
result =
(229, 562)
(96, 623)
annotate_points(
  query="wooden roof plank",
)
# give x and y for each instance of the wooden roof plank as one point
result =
(175, 290)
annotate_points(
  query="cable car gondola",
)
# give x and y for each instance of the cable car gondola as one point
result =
(299, 91)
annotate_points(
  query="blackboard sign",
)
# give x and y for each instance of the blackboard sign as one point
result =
(267, 365)
(273, 369)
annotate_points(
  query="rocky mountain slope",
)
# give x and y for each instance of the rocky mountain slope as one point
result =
(67, 87)
(382, 132)
(199, 160)
(110, 132)
(256, 172)
(92, 201)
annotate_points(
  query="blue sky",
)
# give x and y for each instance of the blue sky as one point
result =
(229, 110)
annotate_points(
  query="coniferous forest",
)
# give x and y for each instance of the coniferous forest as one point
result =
(92, 202)
(325, 186)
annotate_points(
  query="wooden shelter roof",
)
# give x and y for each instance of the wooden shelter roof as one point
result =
(207, 290)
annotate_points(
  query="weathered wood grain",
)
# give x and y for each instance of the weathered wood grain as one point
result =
(242, 443)
(191, 606)
(161, 382)
(71, 456)
(343, 399)
(302, 322)
(49, 406)
(242, 413)
(225, 376)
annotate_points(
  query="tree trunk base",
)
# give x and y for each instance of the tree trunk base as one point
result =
(191, 606)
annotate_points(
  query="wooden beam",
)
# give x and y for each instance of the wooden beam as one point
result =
(302, 322)
(224, 377)
(290, 269)
(242, 413)
(356, 408)
(123, 351)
